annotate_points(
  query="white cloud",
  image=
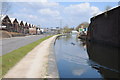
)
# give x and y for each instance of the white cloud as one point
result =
(25, 17)
(23, 0)
(24, 10)
(95, 10)
(43, 4)
(78, 13)
(49, 12)
(49, 4)
(78, 72)
(81, 9)
(77, 8)
(32, 17)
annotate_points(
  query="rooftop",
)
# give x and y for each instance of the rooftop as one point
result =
(12, 19)
(107, 11)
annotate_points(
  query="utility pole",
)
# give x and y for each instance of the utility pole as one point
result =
(61, 24)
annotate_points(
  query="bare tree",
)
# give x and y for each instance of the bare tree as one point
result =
(4, 8)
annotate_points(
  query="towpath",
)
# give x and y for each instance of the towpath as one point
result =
(34, 64)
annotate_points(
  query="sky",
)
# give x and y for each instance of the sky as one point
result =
(57, 14)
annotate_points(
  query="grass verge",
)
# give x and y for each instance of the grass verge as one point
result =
(11, 58)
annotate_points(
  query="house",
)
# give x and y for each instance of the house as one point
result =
(19, 21)
(35, 27)
(83, 30)
(15, 25)
(26, 28)
(47, 30)
(24, 23)
(21, 25)
(29, 25)
(32, 30)
(38, 31)
(6, 23)
(41, 30)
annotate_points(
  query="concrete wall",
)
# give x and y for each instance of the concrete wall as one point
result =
(106, 59)
(106, 27)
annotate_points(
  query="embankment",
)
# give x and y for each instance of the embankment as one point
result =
(6, 34)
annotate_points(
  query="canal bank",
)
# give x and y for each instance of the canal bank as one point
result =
(35, 63)
(81, 60)
(52, 64)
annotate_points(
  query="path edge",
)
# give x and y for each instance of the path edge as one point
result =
(52, 63)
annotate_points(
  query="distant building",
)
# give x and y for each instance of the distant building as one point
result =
(74, 32)
(32, 30)
(15, 24)
(83, 30)
(29, 25)
(6, 23)
(26, 28)
(46, 30)
(38, 31)
(42, 30)
(21, 25)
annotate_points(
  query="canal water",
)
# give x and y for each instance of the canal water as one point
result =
(74, 60)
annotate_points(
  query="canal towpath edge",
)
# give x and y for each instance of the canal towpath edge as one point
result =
(36, 63)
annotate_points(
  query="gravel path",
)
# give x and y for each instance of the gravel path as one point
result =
(34, 64)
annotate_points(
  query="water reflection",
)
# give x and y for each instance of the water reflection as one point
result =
(72, 60)
(105, 59)
(68, 36)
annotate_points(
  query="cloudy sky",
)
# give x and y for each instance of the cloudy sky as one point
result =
(50, 14)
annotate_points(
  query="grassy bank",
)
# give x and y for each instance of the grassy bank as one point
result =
(10, 59)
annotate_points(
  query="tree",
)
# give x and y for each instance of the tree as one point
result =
(84, 24)
(4, 8)
(66, 29)
(108, 8)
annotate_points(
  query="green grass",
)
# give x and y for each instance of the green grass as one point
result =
(10, 59)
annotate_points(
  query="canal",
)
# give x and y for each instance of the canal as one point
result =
(76, 60)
